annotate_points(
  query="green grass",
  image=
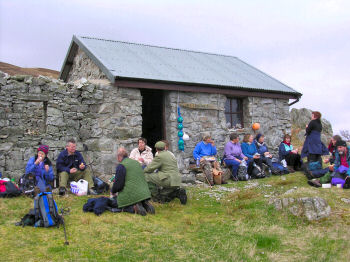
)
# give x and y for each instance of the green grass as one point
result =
(213, 226)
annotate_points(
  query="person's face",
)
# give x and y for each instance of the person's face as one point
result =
(341, 149)
(142, 145)
(288, 139)
(333, 141)
(207, 140)
(41, 154)
(119, 158)
(261, 139)
(313, 117)
(250, 139)
(71, 148)
(236, 140)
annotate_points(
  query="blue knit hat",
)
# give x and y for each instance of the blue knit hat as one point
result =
(258, 137)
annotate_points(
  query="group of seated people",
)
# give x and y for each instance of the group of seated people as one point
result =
(253, 152)
(138, 178)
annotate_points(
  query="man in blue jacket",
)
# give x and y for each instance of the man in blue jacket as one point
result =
(71, 166)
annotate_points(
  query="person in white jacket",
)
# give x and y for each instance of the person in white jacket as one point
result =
(143, 153)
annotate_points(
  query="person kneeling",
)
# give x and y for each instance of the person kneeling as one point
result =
(164, 184)
(71, 166)
(130, 188)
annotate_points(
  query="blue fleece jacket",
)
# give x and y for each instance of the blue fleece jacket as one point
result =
(203, 149)
(39, 171)
(249, 149)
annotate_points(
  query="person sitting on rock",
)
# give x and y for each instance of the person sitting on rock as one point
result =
(340, 171)
(332, 149)
(254, 159)
(40, 166)
(205, 152)
(289, 154)
(130, 188)
(71, 166)
(143, 153)
(265, 155)
(233, 155)
(163, 177)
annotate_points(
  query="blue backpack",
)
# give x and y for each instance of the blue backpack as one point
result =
(45, 210)
(280, 168)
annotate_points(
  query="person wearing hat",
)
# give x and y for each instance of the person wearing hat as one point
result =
(266, 156)
(71, 166)
(340, 169)
(164, 184)
(40, 166)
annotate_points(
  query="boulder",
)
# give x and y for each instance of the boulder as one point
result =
(313, 208)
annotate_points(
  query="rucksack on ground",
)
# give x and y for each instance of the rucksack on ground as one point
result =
(100, 186)
(279, 169)
(45, 210)
(8, 189)
(256, 172)
(26, 184)
(242, 174)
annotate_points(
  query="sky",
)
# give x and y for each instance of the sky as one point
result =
(305, 44)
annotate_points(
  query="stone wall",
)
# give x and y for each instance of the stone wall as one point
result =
(36, 110)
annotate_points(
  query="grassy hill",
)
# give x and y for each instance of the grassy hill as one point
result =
(236, 224)
(16, 70)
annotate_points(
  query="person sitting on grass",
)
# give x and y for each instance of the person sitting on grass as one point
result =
(143, 153)
(71, 166)
(233, 155)
(289, 154)
(205, 152)
(332, 149)
(130, 188)
(254, 160)
(40, 166)
(340, 169)
(163, 177)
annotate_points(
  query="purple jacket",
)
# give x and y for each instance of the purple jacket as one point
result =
(233, 151)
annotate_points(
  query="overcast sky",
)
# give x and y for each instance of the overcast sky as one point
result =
(303, 43)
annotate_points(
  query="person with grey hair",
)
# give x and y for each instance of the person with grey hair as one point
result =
(204, 153)
(130, 188)
(71, 166)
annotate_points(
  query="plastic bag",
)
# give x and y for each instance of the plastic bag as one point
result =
(79, 188)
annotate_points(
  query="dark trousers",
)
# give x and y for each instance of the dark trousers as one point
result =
(294, 160)
(314, 158)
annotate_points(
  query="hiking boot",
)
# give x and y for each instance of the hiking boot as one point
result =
(266, 170)
(181, 194)
(92, 192)
(347, 183)
(290, 169)
(315, 183)
(139, 209)
(148, 206)
(62, 191)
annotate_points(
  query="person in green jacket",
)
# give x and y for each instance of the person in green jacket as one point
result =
(130, 187)
(163, 177)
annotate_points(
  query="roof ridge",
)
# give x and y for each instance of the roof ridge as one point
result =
(164, 47)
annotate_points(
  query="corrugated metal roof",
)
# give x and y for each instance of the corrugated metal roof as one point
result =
(138, 61)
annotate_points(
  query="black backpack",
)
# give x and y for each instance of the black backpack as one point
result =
(100, 186)
(242, 174)
(257, 172)
(11, 189)
(27, 184)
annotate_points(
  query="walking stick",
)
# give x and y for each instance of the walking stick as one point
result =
(64, 212)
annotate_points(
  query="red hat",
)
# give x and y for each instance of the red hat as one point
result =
(44, 148)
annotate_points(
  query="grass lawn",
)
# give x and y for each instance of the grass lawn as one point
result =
(214, 226)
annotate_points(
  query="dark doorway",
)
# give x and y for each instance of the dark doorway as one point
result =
(152, 116)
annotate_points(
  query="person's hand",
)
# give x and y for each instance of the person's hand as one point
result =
(141, 159)
(267, 154)
(38, 160)
(112, 195)
(238, 160)
(256, 156)
(73, 170)
(47, 168)
(331, 168)
(82, 166)
(326, 161)
(245, 158)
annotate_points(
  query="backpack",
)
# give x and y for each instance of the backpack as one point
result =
(279, 169)
(27, 184)
(100, 186)
(314, 166)
(242, 174)
(45, 210)
(256, 172)
(8, 189)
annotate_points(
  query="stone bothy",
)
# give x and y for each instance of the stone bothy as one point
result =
(110, 93)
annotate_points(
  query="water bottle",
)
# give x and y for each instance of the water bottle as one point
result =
(112, 179)
(198, 162)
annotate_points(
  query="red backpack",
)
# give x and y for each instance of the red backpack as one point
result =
(8, 189)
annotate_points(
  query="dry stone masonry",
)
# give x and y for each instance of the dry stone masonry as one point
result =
(37, 110)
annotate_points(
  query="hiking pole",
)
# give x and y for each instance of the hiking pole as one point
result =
(64, 212)
(211, 187)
